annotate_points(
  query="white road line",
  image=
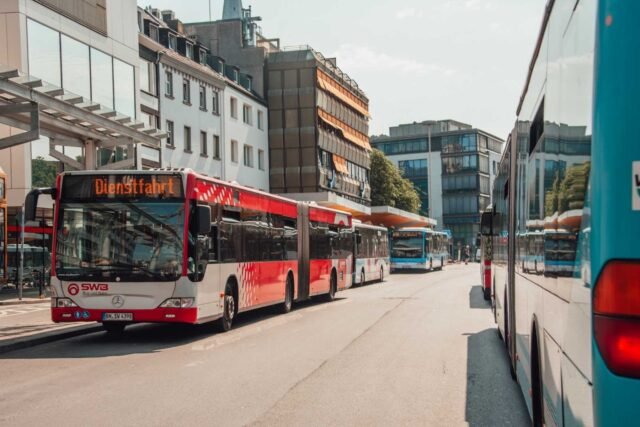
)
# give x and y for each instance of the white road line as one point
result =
(23, 309)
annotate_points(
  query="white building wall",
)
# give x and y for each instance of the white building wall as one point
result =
(181, 114)
(249, 134)
(434, 165)
(121, 42)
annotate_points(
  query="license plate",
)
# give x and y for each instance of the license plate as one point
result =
(117, 316)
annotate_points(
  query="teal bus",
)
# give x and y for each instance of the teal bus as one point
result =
(572, 165)
(419, 248)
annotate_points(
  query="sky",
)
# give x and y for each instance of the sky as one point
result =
(416, 60)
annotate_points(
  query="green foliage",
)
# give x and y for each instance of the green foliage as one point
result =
(43, 173)
(388, 187)
(568, 193)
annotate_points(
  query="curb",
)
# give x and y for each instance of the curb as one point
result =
(19, 343)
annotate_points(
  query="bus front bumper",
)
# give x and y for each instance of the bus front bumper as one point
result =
(154, 315)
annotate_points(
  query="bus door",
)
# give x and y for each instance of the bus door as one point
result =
(303, 252)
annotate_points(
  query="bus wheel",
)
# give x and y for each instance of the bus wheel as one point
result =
(288, 295)
(362, 278)
(536, 384)
(333, 285)
(229, 310)
(114, 329)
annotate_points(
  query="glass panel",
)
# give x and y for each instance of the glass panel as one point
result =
(124, 240)
(44, 53)
(125, 99)
(102, 78)
(75, 67)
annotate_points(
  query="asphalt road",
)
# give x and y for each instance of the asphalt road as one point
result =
(418, 349)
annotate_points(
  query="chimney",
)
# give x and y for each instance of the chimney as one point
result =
(168, 15)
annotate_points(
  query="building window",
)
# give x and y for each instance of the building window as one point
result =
(187, 139)
(170, 139)
(203, 56)
(215, 105)
(261, 160)
(248, 156)
(234, 151)
(234, 108)
(186, 91)
(189, 51)
(173, 42)
(260, 120)
(216, 147)
(148, 77)
(203, 98)
(246, 114)
(101, 78)
(169, 84)
(125, 88)
(411, 168)
(153, 32)
(203, 143)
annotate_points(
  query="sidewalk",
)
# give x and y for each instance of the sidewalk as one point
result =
(28, 325)
(30, 295)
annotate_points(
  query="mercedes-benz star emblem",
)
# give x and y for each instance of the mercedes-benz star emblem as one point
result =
(117, 301)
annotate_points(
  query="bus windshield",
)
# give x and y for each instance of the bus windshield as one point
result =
(120, 240)
(407, 247)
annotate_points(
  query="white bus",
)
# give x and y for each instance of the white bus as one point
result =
(371, 253)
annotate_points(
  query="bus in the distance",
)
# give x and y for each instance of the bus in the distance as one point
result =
(371, 253)
(572, 165)
(175, 246)
(418, 248)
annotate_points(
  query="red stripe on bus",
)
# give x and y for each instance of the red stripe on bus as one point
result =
(329, 216)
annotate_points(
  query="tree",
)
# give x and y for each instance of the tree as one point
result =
(388, 187)
(43, 173)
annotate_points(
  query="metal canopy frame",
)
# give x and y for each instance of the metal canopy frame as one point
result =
(38, 109)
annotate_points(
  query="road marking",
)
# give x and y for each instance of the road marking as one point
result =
(23, 309)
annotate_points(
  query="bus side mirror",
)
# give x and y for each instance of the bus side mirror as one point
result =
(31, 201)
(486, 223)
(202, 219)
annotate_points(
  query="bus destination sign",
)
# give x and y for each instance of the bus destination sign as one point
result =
(406, 234)
(122, 186)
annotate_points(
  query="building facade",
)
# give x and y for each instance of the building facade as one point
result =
(318, 128)
(216, 123)
(88, 50)
(452, 165)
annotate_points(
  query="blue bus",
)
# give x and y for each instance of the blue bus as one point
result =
(572, 163)
(418, 248)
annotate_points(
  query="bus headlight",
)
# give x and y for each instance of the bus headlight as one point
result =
(64, 302)
(178, 303)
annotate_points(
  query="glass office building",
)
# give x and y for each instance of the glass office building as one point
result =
(459, 160)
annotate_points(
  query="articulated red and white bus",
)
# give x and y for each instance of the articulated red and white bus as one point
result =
(175, 246)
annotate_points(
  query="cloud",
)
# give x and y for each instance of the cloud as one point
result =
(355, 57)
(409, 13)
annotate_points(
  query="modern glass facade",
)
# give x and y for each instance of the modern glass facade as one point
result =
(80, 69)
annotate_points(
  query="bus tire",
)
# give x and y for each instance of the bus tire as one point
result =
(486, 294)
(362, 281)
(333, 286)
(230, 308)
(537, 401)
(114, 329)
(288, 295)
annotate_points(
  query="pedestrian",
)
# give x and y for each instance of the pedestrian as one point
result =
(467, 252)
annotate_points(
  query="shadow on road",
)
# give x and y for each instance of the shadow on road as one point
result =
(147, 337)
(476, 298)
(493, 398)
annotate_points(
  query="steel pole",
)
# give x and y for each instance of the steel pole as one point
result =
(21, 268)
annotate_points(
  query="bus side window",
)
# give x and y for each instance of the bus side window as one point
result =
(213, 244)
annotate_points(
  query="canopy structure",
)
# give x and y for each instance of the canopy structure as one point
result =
(392, 217)
(40, 109)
